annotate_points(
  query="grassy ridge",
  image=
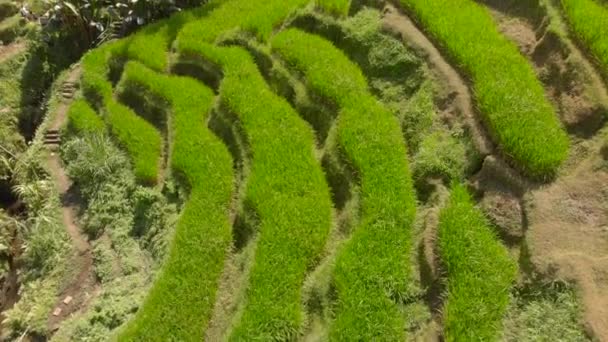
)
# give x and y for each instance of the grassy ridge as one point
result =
(373, 268)
(510, 98)
(287, 190)
(589, 20)
(339, 7)
(479, 271)
(258, 17)
(142, 141)
(179, 305)
(83, 119)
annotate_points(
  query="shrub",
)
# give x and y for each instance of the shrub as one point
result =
(510, 98)
(372, 271)
(479, 271)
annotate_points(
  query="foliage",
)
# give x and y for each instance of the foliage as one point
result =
(588, 20)
(202, 234)
(479, 271)
(373, 268)
(510, 98)
(97, 21)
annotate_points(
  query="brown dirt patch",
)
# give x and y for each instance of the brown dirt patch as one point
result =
(568, 237)
(9, 51)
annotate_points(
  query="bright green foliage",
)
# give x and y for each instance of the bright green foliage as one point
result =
(83, 118)
(510, 98)
(179, 305)
(372, 271)
(259, 17)
(141, 140)
(339, 7)
(589, 20)
(150, 45)
(479, 271)
(286, 188)
(95, 70)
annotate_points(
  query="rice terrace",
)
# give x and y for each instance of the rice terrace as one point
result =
(304, 170)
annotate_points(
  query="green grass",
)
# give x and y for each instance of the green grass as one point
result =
(287, 189)
(338, 7)
(372, 272)
(510, 98)
(139, 138)
(83, 119)
(479, 271)
(257, 17)
(180, 303)
(589, 21)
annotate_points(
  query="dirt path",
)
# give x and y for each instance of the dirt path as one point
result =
(397, 23)
(83, 286)
(9, 51)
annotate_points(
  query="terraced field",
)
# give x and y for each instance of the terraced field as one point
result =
(366, 171)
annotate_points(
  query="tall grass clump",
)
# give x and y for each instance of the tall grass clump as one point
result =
(479, 271)
(287, 190)
(179, 305)
(510, 98)
(372, 272)
(83, 119)
(589, 21)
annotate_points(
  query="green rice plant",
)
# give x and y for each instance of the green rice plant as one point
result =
(510, 98)
(179, 305)
(257, 17)
(83, 119)
(338, 7)
(479, 271)
(142, 141)
(589, 21)
(287, 190)
(372, 271)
